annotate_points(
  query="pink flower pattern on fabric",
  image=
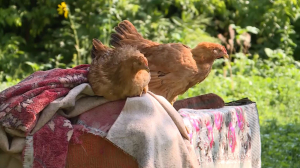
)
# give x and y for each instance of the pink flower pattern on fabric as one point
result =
(195, 123)
(189, 125)
(218, 120)
(241, 119)
(224, 137)
(231, 137)
(210, 134)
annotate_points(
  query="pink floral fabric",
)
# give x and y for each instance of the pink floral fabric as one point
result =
(219, 136)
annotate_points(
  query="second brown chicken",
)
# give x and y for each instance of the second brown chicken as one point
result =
(118, 73)
(174, 67)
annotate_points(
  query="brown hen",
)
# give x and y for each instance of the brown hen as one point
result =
(118, 73)
(174, 67)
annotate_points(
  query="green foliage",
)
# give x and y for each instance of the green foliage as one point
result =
(273, 18)
(35, 33)
(10, 82)
(259, 35)
(280, 147)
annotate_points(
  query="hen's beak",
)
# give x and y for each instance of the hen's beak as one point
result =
(147, 68)
(226, 56)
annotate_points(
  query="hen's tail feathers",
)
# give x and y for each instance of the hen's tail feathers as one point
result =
(115, 40)
(97, 47)
(124, 30)
(127, 27)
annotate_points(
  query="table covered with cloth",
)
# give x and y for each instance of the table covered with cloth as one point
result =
(225, 137)
(52, 119)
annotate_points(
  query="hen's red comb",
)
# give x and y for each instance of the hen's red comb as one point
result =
(146, 61)
(224, 49)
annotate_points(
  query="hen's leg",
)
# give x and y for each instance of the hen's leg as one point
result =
(145, 89)
(173, 101)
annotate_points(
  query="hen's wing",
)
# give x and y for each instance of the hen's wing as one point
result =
(99, 68)
(126, 34)
(99, 49)
(172, 69)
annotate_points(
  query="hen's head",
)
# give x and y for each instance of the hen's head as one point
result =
(207, 51)
(140, 63)
(133, 58)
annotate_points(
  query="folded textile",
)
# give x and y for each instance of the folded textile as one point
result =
(21, 104)
(51, 135)
(152, 131)
(49, 146)
(100, 119)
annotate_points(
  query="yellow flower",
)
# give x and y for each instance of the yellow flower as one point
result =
(63, 9)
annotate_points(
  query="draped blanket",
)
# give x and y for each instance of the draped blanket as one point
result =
(21, 104)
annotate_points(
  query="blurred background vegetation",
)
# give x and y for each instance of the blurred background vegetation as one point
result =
(262, 37)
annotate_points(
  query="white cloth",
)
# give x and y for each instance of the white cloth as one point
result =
(150, 133)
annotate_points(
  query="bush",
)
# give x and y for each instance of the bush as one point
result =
(260, 36)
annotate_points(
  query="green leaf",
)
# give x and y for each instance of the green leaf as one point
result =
(269, 52)
(252, 29)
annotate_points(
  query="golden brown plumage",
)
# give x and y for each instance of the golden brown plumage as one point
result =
(118, 73)
(174, 67)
